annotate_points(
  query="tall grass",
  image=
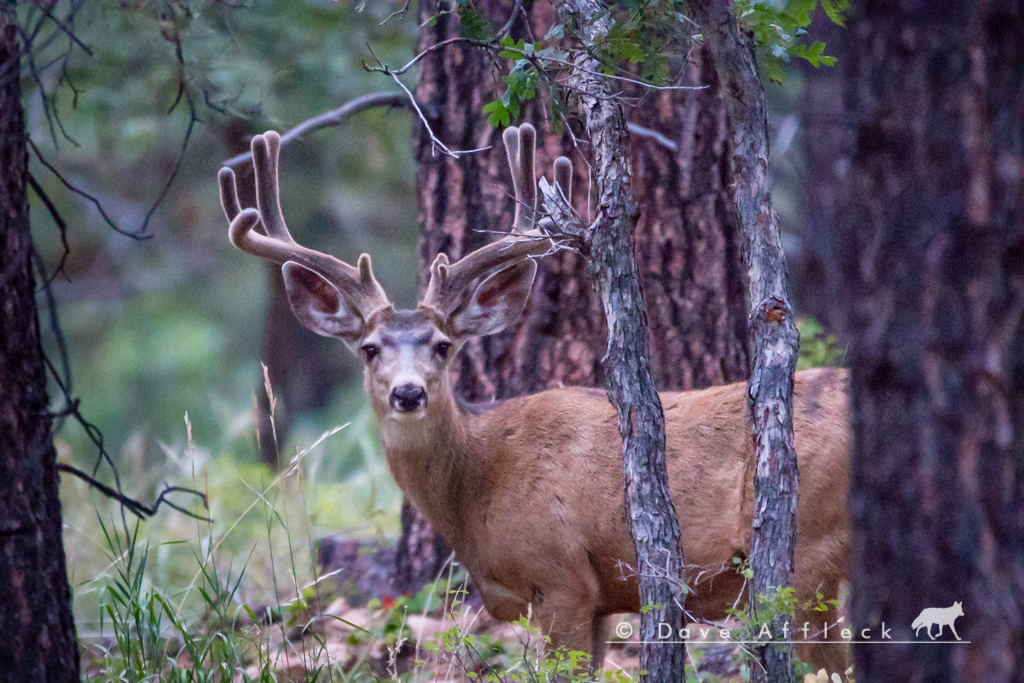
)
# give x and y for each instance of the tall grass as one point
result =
(238, 596)
(173, 598)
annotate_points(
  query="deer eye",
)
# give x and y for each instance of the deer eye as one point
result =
(442, 349)
(370, 351)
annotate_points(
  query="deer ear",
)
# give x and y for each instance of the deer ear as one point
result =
(496, 303)
(319, 305)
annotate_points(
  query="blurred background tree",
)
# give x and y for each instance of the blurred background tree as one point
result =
(929, 253)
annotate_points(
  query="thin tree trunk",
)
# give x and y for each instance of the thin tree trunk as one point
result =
(609, 245)
(933, 269)
(38, 642)
(772, 326)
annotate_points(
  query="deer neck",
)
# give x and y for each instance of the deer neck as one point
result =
(430, 459)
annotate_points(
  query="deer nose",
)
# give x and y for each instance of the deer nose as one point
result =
(408, 397)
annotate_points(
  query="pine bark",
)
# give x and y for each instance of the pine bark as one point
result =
(38, 629)
(933, 267)
(773, 331)
(686, 240)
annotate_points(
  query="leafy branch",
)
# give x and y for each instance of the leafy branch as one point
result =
(780, 31)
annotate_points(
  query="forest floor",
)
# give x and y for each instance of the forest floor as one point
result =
(469, 646)
(264, 588)
(386, 640)
(345, 627)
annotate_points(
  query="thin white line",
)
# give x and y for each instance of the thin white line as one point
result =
(694, 641)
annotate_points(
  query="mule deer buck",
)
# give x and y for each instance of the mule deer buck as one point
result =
(528, 491)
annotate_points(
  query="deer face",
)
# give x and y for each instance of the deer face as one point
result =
(405, 356)
(406, 353)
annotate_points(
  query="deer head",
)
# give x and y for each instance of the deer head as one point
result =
(405, 352)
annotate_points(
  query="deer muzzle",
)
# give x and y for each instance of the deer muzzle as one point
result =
(408, 398)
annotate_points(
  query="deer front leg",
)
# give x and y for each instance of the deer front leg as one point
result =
(567, 613)
(600, 632)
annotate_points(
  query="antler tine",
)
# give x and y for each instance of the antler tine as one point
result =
(228, 193)
(511, 139)
(520, 147)
(449, 282)
(357, 284)
(266, 149)
(563, 177)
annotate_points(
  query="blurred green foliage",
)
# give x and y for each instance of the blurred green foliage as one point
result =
(257, 516)
(780, 31)
(174, 323)
(818, 348)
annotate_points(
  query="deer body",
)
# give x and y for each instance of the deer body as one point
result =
(528, 491)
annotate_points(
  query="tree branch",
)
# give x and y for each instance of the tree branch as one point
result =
(508, 24)
(637, 129)
(334, 118)
(62, 228)
(82, 193)
(434, 141)
(135, 507)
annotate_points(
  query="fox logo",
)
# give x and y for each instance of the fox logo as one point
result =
(943, 616)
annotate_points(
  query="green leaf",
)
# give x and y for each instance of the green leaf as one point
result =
(813, 54)
(800, 11)
(498, 114)
(774, 67)
(834, 9)
(472, 25)
(520, 46)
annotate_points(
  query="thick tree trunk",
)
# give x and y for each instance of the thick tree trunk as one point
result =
(773, 328)
(933, 269)
(38, 642)
(686, 239)
(825, 143)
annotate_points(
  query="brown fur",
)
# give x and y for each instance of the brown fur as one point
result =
(529, 495)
